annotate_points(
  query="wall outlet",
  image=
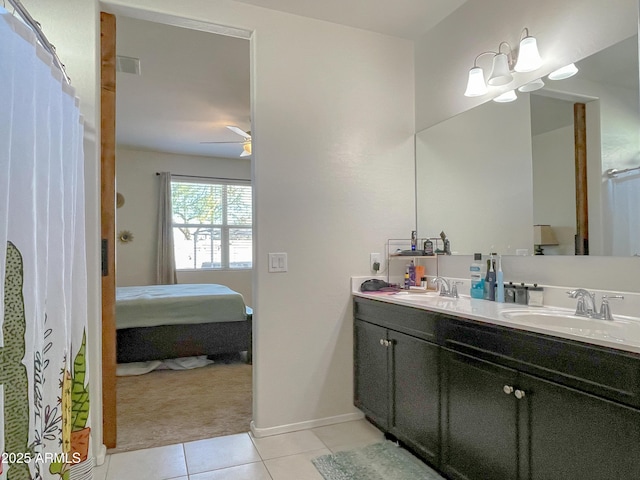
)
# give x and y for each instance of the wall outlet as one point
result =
(375, 258)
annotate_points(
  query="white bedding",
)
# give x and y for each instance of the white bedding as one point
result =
(154, 305)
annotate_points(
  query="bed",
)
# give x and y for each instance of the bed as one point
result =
(158, 322)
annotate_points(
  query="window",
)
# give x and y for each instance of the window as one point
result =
(211, 224)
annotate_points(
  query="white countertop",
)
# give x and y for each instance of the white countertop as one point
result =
(623, 333)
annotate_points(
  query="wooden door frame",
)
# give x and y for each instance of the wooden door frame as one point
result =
(582, 201)
(108, 223)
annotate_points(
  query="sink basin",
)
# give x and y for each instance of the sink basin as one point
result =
(417, 295)
(552, 318)
(621, 329)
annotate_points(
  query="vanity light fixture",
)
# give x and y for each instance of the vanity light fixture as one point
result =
(500, 72)
(528, 56)
(475, 84)
(564, 72)
(531, 86)
(525, 59)
(509, 96)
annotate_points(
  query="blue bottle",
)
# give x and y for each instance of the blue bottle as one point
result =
(499, 281)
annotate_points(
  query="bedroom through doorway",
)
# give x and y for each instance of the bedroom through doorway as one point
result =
(183, 144)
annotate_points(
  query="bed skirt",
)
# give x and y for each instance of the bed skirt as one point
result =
(143, 344)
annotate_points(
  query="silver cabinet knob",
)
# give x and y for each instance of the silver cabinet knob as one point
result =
(508, 389)
(382, 341)
(519, 394)
(386, 343)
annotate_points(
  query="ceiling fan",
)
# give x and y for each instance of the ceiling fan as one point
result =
(246, 143)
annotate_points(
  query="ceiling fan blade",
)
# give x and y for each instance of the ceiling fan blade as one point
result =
(239, 131)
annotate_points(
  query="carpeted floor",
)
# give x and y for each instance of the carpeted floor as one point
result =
(165, 407)
(380, 461)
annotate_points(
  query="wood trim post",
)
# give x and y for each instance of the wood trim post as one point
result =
(582, 203)
(108, 207)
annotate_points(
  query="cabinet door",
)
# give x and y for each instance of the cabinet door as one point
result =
(371, 376)
(479, 421)
(577, 436)
(415, 394)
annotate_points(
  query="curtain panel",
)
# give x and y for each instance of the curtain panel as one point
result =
(166, 261)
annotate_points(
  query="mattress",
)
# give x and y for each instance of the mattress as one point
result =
(155, 305)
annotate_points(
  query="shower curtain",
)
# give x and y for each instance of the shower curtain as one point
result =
(44, 381)
(624, 201)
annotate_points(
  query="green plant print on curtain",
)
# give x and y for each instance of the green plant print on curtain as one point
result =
(13, 373)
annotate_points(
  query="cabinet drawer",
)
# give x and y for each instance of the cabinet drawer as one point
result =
(411, 321)
(601, 371)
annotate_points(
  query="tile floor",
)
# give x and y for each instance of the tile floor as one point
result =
(240, 457)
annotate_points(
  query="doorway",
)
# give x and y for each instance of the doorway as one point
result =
(188, 152)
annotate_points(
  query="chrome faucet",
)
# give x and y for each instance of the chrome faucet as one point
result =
(586, 306)
(445, 289)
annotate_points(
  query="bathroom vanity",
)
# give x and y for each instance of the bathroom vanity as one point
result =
(480, 396)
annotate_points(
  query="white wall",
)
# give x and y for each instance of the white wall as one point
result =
(333, 113)
(566, 32)
(136, 180)
(554, 189)
(474, 179)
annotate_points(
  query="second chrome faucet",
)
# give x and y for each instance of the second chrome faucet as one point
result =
(586, 306)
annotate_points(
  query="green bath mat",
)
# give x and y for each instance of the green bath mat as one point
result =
(381, 461)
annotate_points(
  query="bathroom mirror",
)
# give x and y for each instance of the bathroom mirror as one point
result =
(488, 175)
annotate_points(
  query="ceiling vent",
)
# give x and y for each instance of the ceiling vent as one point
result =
(128, 65)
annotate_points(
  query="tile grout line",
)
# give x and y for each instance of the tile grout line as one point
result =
(186, 464)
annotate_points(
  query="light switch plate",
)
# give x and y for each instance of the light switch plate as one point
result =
(277, 262)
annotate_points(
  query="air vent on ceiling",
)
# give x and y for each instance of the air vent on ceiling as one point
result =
(128, 65)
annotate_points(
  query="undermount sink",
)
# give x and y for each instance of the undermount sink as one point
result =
(417, 295)
(620, 329)
(552, 318)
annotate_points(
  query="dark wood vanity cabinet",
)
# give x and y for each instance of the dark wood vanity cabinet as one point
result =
(479, 419)
(397, 376)
(575, 435)
(371, 379)
(512, 404)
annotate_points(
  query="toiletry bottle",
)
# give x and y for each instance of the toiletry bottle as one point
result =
(499, 281)
(419, 274)
(428, 247)
(510, 293)
(423, 282)
(407, 283)
(447, 247)
(490, 281)
(412, 274)
(414, 239)
(477, 284)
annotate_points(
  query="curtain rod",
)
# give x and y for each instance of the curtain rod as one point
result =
(207, 177)
(612, 172)
(42, 38)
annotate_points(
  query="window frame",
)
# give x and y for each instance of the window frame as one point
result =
(224, 227)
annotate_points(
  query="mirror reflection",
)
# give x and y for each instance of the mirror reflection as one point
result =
(488, 175)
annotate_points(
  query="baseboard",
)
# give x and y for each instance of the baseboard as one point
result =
(294, 427)
(100, 456)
